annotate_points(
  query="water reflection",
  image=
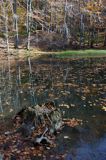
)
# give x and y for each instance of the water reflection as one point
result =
(91, 151)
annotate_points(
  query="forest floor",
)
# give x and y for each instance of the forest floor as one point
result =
(77, 84)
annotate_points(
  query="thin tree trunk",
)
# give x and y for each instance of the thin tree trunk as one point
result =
(6, 24)
(105, 39)
(6, 36)
(92, 38)
(29, 10)
(16, 40)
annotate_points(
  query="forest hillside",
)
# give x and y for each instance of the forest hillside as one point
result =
(54, 24)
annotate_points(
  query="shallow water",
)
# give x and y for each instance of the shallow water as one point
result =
(78, 83)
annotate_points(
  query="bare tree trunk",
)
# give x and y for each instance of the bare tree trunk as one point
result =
(5, 23)
(105, 39)
(16, 40)
(4, 10)
(92, 38)
(81, 30)
(66, 31)
(29, 10)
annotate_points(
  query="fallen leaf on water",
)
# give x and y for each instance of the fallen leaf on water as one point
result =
(104, 108)
(72, 122)
(66, 137)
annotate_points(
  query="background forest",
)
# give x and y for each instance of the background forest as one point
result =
(56, 24)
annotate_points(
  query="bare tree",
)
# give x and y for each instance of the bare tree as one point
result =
(15, 20)
(29, 11)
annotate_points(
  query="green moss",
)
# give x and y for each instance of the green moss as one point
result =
(83, 53)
